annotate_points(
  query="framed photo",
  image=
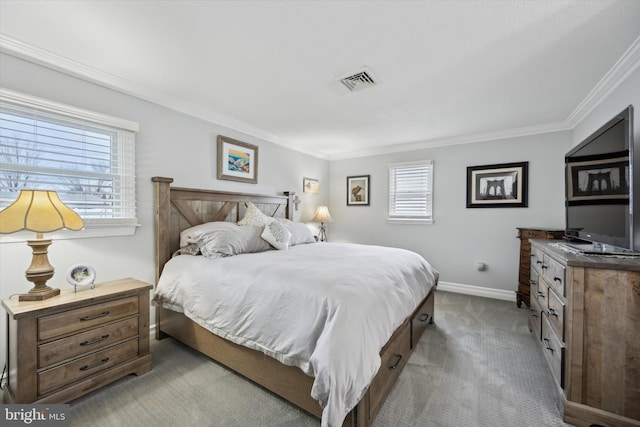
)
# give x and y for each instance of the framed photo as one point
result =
(497, 186)
(81, 275)
(358, 190)
(237, 160)
(310, 185)
(598, 181)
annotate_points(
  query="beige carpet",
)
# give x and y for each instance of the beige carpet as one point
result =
(477, 366)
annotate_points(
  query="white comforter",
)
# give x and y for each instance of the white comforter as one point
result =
(327, 308)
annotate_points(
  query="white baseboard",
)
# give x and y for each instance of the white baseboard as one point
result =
(478, 291)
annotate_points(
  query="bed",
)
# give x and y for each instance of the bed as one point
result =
(285, 372)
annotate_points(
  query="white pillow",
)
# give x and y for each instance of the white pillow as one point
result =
(254, 216)
(300, 233)
(216, 239)
(276, 234)
(195, 233)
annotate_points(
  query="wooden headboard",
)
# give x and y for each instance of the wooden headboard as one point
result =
(177, 209)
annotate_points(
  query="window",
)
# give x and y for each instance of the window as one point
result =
(411, 192)
(88, 158)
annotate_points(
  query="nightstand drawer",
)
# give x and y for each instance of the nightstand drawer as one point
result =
(85, 317)
(86, 342)
(51, 379)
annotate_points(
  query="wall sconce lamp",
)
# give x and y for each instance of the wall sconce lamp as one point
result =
(43, 212)
(322, 215)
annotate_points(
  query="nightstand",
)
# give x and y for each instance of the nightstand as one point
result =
(66, 346)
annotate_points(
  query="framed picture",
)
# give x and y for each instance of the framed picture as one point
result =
(80, 275)
(598, 181)
(497, 186)
(237, 160)
(310, 185)
(358, 190)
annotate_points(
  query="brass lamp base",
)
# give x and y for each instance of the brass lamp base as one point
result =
(39, 272)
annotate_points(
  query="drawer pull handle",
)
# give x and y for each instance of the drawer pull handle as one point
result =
(552, 312)
(398, 359)
(557, 279)
(532, 282)
(95, 365)
(95, 341)
(97, 316)
(544, 267)
(424, 317)
(541, 294)
(546, 345)
(538, 262)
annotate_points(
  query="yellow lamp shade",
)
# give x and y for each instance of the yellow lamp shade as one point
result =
(40, 211)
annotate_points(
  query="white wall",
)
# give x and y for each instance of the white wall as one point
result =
(168, 144)
(460, 237)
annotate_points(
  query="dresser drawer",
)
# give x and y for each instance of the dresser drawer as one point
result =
(394, 357)
(86, 342)
(554, 273)
(51, 379)
(553, 350)
(85, 317)
(542, 293)
(555, 313)
(534, 287)
(535, 318)
(537, 259)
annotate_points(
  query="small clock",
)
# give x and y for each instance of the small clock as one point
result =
(81, 275)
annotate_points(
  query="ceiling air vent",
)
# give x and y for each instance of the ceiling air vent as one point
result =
(358, 81)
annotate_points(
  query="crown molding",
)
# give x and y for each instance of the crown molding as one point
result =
(457, 140)
(626, 65)
(53, 61)
(614, 77)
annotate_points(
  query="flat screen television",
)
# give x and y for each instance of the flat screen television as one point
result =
(599, 187)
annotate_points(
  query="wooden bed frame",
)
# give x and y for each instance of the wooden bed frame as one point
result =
(177, 209)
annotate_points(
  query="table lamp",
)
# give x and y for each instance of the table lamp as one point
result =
(43, 212)
(322, 215)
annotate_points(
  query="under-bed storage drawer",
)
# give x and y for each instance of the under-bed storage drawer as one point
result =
(421, 318)
(394, 356)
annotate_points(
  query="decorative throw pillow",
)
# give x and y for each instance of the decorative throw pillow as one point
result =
(254, 216)
(276, 234)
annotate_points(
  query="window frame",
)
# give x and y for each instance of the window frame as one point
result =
(94, 227)
(427, 217)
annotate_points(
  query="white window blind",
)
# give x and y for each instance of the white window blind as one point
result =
(88, 158)
(411, 192)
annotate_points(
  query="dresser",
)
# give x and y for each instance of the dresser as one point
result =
(585, 313)
(524, 234)
(71, 344)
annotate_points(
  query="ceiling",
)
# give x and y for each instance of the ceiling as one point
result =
(447, 72)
